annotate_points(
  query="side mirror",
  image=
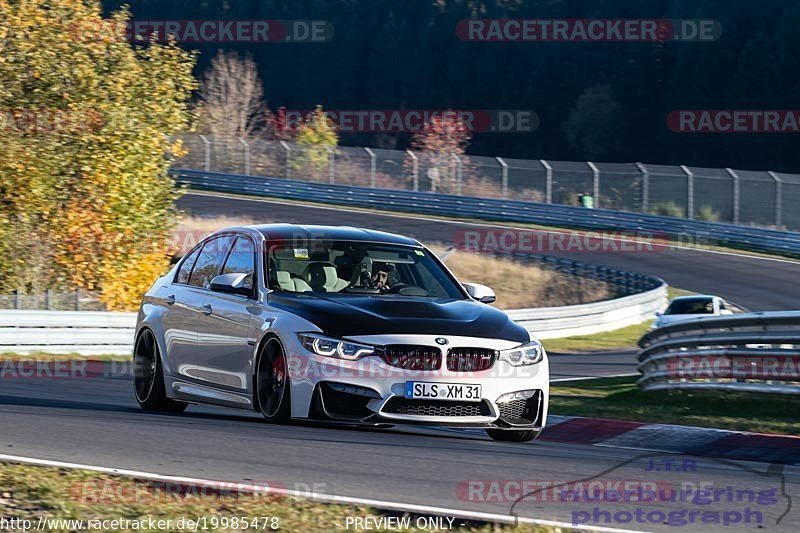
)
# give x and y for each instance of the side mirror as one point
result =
(479, 292)
(175, 259)
(233, 283)
(659, 313)
(725, 312)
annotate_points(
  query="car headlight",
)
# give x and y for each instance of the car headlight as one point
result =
(336, 348)
(527, 354)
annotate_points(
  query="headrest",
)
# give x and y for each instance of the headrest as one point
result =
(320, 275)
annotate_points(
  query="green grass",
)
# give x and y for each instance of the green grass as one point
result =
(618, 339)
(31, 492)
(621, 398)
(672, 292)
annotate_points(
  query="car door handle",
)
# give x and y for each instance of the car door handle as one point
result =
(207, 309)
(170, 299)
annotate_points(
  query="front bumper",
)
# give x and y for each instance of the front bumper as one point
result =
(371, 391)
(340, 402)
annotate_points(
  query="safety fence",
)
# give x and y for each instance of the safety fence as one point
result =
(690, 232)
(747, 197)
(745, 352)
(51, 300)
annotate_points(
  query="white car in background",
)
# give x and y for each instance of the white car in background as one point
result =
(692, 307)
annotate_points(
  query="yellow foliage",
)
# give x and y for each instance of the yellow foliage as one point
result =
(316, 137)
(85, 121)
(127, 280)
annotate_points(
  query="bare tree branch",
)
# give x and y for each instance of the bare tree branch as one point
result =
(232, 97)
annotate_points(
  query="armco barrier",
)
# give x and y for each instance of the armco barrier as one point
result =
(585, 319)
(756, 239)
(83, 332)
(90, 333)
(746, 352)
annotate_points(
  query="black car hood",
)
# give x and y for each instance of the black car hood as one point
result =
(351, 315)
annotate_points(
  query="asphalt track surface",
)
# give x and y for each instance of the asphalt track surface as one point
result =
(95, 421)
(760, 284)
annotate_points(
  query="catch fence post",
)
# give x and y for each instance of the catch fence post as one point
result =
(246, 156)
(595, 183)
(548, 186)
(372, 167)
(206, 153)
(778, 198)
(735, 192)
(331, 165)
(288, 150)
(459, 174)
(645, 187)
(504, 172)
(689, 192)
(414, 169)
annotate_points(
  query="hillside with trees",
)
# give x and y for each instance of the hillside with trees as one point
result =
(602, 100)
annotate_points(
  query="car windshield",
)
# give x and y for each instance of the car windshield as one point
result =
(329, 266)
(691, 306)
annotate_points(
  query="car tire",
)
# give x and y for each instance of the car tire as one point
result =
(148, 377)
(512, 435)
(272, 384)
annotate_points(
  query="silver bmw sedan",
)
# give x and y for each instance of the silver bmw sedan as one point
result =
(338, 324)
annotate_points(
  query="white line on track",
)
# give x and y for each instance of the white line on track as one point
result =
(322, 498)
(412, 216)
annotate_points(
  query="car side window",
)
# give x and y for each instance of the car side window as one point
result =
(242, 260)
(209, 262)
(185, 269)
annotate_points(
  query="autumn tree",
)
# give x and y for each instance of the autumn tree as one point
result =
(316, 138)
(85, 198)
(442, 143)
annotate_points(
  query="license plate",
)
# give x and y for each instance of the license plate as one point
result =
(456, 392)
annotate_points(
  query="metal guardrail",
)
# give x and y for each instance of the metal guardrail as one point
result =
(82, 332)
(91, 333)
(586, 319)
(746, 352)
(683, 230)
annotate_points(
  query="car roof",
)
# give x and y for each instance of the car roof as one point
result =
(279, 232)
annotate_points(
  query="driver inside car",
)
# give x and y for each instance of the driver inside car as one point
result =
(380, 276)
